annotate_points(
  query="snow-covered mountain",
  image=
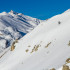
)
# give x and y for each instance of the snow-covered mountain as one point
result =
(44, 48)
(14, 26)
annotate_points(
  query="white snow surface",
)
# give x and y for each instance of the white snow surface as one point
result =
(54, 56)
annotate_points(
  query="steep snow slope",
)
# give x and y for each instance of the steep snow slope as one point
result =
(13, 26)
(43, 48)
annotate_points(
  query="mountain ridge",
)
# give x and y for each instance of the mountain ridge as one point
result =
(14, 25)
(44, 48)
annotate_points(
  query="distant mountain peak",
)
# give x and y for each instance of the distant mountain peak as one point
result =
(13, 12)
(13, 26)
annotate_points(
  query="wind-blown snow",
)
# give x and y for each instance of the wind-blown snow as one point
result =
(52, 33)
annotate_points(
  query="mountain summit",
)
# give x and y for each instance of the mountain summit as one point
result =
(13, 12)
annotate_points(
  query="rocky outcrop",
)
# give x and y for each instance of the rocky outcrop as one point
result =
(13, 45)
(53, 69)
(65, 67)
(68, 60)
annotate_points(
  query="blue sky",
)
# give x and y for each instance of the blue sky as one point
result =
(41, 9)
